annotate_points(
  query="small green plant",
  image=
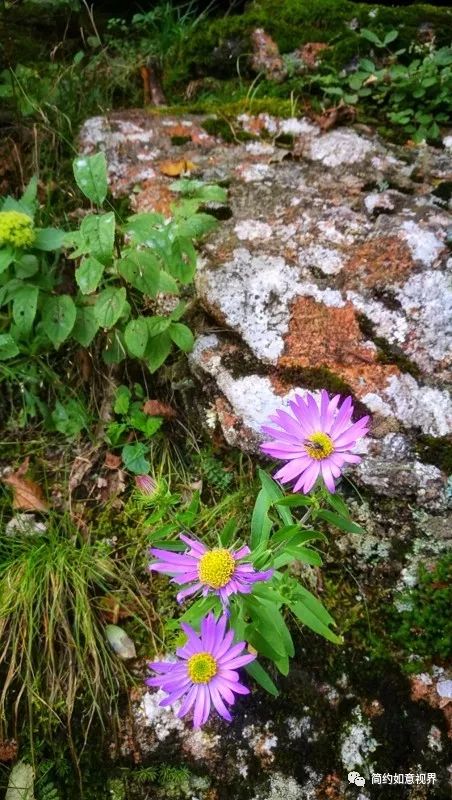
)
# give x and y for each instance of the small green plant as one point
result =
(122, 268)
(133, 423)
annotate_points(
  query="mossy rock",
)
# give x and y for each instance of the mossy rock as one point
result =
(293, 23)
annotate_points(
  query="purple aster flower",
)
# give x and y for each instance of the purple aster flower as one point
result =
(219, 570)
(205, 671)
(318, 438)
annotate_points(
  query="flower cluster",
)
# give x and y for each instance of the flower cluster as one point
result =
(317, 439)
(16, 229)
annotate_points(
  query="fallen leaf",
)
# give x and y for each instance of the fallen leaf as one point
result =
(27, 495)
(174, 168)
(112, 461)
(80, 466)
(8, 750)
(155, 408)
(112, 609)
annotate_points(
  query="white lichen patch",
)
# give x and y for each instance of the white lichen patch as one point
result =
(253, 230)
(283, 787)
(389, 324)
(424, 245)
(426, 299)
(300, 727)
(357, 744)
(261, 741)
(253, 294)
(416, 406)
(163, 721)
(340, 147)
(260, 148)
(328, 259)
(434, 739)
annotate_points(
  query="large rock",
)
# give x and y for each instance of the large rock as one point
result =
(333, 269)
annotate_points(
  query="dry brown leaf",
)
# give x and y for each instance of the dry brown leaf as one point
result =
(27, 495)
(175, 168)
(155, 408)
(112, 461)
(8, 750)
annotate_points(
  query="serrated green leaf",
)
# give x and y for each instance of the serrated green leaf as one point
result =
(24, 308)
(182, 336)
(8, 347)
(142, 270)
(89, 274)
(90, 173)
(136, 336)
(58, 318)
(86, 325)
(69, 418)
(48, 239)
(109, 306)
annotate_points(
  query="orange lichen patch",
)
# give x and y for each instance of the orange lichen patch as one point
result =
(330, 788)
(324, 336)
(155, 196)
(180, 130)
(378, 263)
(310, 52)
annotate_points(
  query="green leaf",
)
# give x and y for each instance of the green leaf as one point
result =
(275, 493)
(371, 37)
(182, 261)
(344, 524)
(58, 318)
(182, 336)
(157, 325)
(89, 274)
(109, 306)
(115, 350)
(29, 197)
(158, 350)
(70, 418)
(90, 173)
(133, 456)
(261, 676)
(269, 649)
(309, 610)
(142, 270)
(48, 239)
(27, 266)
(86, 325)
(294, 501)
(98, 236)
(6, 257)
(293, 553)
(261, 523)
(136, 336)
(140, 227)
(8, 347)
(122, 400)
(196, 226)
(391, 36)
(25, 304)
(167, 284)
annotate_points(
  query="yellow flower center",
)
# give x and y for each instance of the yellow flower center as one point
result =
(319, 445)
(202, 667)
(16, 229)
(216, 568)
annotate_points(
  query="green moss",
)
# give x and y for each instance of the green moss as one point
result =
(219, 126)
(317, 378)
(387, 354)
(436, 451)
(425, 627)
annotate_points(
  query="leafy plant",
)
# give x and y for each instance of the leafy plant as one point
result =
(133, 421)
(122, 269)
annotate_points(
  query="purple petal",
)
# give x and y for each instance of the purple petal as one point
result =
(188, 702)
(218, 703)
(235, 663)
